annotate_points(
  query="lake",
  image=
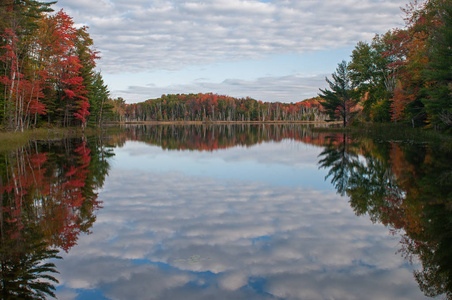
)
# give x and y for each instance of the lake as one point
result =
(226, 212)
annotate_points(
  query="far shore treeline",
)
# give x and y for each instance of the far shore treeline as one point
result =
(212, 107)
(48, 77)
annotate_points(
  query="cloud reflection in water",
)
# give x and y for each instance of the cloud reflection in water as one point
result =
(172, 235)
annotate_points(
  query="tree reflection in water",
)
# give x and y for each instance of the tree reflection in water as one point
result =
(47, 196)
(408, 188)
(403, 185)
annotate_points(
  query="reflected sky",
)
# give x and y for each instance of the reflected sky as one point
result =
(277, 163)
(241, 223)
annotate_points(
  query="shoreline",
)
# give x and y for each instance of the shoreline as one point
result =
(13, 139)
(219, 122)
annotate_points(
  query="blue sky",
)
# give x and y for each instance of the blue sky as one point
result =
(271, 50)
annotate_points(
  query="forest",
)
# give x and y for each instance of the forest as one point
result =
(47, 74)
(48, 77)
(402, 76)
(213, 107)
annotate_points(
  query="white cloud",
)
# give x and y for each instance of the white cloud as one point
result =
(173, 34)
(148, 37)
(233, 281)
(290, 88)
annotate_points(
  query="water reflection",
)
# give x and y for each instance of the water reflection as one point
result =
(406, 187)
(48, 198)
(216, 137)
(229, 212)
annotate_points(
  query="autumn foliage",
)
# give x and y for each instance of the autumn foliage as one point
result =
(404, 76)
(46, 67)
(218, 136)
(213, 107)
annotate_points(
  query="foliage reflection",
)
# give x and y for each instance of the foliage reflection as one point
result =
(48, 198)
(48, 194)
(408, 188)
(216, 137)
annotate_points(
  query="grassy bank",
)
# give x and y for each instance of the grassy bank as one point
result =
(394, 132)
(12, 140)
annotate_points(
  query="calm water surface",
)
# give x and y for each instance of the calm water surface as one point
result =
(227, 212)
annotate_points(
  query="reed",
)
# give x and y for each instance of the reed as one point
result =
(12, 140)
(394, 132)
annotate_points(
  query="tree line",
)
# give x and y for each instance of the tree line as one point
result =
(213, 107)
(48, 77)
(47, 69)
(402, 76)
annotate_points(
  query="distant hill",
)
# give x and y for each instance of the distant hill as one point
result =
(312, 102)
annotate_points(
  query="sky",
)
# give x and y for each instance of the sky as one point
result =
(269, 50)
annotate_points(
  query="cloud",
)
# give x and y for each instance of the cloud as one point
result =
(291, 88)
(142, 35)
(233, 281)
(140, 40)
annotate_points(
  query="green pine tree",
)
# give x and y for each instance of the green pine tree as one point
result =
(339, 102)
(439, 73)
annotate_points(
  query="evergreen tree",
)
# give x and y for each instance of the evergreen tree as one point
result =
(98, 99)
(339, 102)
(439, 72)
